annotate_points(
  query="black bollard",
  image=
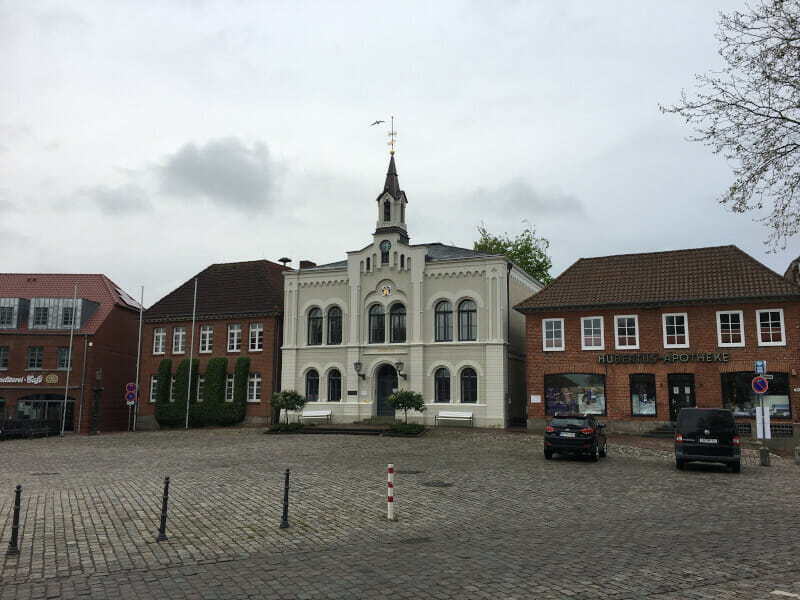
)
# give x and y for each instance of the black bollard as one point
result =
(285, 517)
(162, 531)
(13, 547)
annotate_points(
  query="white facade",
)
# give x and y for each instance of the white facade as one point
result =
(483, 357)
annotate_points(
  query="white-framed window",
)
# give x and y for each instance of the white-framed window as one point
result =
(730, 328)
(256, 337)
(675, 327)
(153, 387)
(35, 357)
(234, 338)
(254, 387)
(172, 390)
(206, 338)
(179, 340)
(200, 382)
(40, 316)
(552, 334)
(626, 331)
(592, 335)
(159, 340)
(771, 331)
(67, 317)
(229, 389)
(4, 357)
(62, 359)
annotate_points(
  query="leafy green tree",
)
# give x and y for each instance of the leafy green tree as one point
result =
(286, 400)
(526, 250)
(749, 112)
(406, 400)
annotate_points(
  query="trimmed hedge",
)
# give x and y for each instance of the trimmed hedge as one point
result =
(168, 414)
(230, 413)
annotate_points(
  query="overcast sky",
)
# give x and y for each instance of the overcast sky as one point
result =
(149, 140)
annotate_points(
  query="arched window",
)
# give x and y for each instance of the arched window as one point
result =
(467, 321)
(315, 327)
(402, 261)
(469, 386)
(387, 211)
(368, 263)
(397, 324)
(335, 325)
(444, 321)
(377, 325)
(312, 386)
(441, 384)
(334, 386)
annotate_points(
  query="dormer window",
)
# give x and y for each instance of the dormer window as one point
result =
(387, 211)
(40, 316)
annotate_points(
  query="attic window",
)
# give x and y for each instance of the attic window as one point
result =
(387, 211)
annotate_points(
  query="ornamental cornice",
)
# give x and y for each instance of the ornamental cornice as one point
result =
(327, 282)
(455, 273)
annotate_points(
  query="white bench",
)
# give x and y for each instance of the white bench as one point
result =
(453, 416)
(316, 414)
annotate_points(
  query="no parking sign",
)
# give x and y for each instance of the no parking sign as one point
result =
(760, 385)
(130, 394)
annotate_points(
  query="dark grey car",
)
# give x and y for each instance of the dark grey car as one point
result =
(707, 435)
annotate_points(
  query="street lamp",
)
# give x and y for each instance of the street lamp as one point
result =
(399, 366)
(357, 366)
(98, 375)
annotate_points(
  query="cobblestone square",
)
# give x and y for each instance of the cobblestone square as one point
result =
(480, 514)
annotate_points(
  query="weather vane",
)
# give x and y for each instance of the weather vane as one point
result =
(393, 135)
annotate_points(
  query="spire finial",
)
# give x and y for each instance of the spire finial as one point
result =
(393, 135)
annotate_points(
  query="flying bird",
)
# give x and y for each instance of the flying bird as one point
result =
(377, 123)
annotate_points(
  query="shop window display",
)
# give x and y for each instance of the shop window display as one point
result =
(575, 393)
(643, 395)
(739, 397)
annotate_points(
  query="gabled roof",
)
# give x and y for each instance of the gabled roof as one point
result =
(696, 276)
(435, 252)
(95, 287)
(252, 287)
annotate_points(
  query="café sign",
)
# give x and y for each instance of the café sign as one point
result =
(31, 379)
(669, 357)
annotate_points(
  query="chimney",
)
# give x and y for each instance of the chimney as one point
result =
(307, 264)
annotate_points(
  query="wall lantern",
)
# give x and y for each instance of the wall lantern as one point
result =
(357, 366)
(399, 366)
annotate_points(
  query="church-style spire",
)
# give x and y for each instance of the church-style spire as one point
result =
(392, 184)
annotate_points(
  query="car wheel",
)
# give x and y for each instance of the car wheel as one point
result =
(735, 467)
(593, 454)
(548, 454)
(679, 464)
(604, 450)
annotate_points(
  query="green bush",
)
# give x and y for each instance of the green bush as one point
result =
(182, 380)
(168, 414)
(407, 428)
(230, 413)
(205, 413)
(406, 400)
(286, 427)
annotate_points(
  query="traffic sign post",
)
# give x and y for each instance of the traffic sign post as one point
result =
(760, 385)
(130, 399)
(761, 367)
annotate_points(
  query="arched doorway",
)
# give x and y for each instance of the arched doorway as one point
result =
(386, 386)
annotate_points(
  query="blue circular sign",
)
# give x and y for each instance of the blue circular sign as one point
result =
(760, 385)
(130, 396)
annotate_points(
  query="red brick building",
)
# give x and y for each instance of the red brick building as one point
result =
(37, 313)
(239, 313)
(636, 337)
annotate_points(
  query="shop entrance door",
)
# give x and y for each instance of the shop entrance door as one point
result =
(681, 393)
(387, 385)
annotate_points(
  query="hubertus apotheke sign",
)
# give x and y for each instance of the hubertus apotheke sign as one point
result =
(669, 357)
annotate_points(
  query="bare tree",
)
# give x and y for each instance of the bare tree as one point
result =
(750, 112)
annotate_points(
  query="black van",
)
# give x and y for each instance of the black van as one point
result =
(707, 435)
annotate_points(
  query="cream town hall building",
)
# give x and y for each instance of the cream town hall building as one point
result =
(430, 318)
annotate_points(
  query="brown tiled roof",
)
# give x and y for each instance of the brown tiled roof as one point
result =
(701, 275)
(95, 287)
(252, 287)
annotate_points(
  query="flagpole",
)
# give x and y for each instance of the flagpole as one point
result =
(69, 361)
(138, 358)
(191, 355)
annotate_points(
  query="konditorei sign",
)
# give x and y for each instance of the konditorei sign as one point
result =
(669, 357)
(31, 379)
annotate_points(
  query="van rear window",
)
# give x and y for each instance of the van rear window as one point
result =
(563, 422)
(716, 420)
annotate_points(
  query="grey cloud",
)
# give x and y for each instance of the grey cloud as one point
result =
(519, 198)
(224, 171)
(120, 200)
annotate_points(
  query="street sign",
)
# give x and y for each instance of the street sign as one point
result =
(130, 387)
(130, 398)
(761, 367)
(760, 385)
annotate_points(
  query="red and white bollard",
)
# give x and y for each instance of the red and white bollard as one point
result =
(390, 498)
